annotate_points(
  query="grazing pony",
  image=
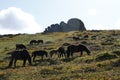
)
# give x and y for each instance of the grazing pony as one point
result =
(36, 42)
(40, 41)
(19, 55)
(20, 46)
(76, 48)
(61, 51)
(33, 42)
(52, 52)
(76, 38)
(39, 53)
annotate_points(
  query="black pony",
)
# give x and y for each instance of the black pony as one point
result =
(19, 55)
(76, 48)
(20, 46)
(39, 53)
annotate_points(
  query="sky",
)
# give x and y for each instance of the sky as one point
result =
(33, 16)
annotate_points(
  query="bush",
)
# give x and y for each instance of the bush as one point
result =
(89, 60)
(116, 52)
(116, 63)
(90, 69)
(107, 43)
(105, 56)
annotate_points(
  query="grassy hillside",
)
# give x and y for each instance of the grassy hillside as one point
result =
(103, 64)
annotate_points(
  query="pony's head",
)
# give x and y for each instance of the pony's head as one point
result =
(85, 49)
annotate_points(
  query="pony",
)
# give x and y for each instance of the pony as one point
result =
(76, 38)
(33, 42)
(76, 48)
(20, 46)
(36, 42)
(40, 41)
(53, 52)
(39, 53)
(61, 51)
(19, 55)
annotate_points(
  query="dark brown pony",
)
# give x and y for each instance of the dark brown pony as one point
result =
(39, 53)
(20, 46)
(76, 38)
(33, 42)
(60, 52)
(76, 48)
(52, 52)
(19, 55)
(36, 42)
(40, 41)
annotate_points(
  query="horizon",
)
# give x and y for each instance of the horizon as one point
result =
(31, 17)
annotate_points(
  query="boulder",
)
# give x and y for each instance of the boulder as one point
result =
(73, 24)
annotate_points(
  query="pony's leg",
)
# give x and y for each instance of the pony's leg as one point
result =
(10, 63)
(51, 55)
(71, 54)
(58, 55)
(81, 54)
(29, 60)
(34, 59)
(42, 57)
(65, 55)
(68, 54)
(61, 54)
(24, 62)
(15, 62)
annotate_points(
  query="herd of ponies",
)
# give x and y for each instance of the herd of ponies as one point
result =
(21, 53)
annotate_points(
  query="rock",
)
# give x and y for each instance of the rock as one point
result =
(73, 24)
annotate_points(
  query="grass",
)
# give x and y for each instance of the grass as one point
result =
(103, 64)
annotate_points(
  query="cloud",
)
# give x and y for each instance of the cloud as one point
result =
(92, 12)
(13, 20)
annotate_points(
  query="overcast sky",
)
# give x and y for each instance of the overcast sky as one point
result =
(32, 16)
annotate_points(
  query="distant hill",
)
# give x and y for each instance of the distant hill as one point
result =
(73, 24)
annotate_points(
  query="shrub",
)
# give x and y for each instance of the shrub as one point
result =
(90, 69)
(105, 56)
(84, 42)
(49, 71)
(89, 60)
(116, 63)
(107, 43)
(116, 52)
(48, 42)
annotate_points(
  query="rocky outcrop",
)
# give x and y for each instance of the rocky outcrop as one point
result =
(73, 24)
